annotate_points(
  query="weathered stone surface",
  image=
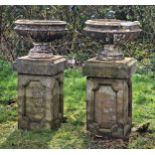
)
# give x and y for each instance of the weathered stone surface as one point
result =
(51, 66)
(109, 97)
(41, 32)
(40, 75)
(40, 98)
(110, 69)
(113, 33)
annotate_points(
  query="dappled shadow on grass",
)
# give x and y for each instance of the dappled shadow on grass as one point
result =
(20, 139)
(135, 140)
(8, 112)
(68, 136)
(142, 141)
(72, 136)
(111, 144)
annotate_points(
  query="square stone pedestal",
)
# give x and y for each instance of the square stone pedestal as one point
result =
(40, 92)
(109, 96)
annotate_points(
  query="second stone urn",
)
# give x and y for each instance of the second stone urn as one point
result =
(109, 86)
(40, 76)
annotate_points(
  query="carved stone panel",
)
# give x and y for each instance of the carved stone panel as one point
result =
(40, 101)
(108, 106)
(56, 99)
(105, 106)
(35, 100)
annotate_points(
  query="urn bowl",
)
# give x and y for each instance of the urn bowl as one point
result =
(42, 32)
(113, 33)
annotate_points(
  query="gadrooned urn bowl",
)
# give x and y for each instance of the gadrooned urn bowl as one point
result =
(113, 33)
(42, 33)
(41, 30)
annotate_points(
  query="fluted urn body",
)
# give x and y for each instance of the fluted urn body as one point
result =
(113, 33)
(42, 32)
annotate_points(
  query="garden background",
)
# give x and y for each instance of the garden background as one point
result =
(77, 48)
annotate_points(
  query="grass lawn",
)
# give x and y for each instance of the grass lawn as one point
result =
(73, 133)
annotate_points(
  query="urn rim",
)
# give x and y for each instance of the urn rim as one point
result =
(39, 22)
(112, 26)
(111, 22)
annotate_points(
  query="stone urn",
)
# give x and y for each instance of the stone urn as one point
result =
(42, 32)
(113, 33)
(40, 76)
(109, 85)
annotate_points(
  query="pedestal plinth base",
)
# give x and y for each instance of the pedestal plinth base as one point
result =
(109, 96)
(40, 92)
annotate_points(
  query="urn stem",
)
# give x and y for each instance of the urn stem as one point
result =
(41, 50)
(110, 52)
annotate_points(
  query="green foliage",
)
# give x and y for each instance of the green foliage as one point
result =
(76, 42)
(143, 97)
(8, 83)
(76, 45)
(73, 134)
(8, 113)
